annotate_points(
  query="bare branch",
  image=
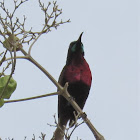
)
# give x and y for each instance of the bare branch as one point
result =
(17, 57)
(50, 20)
(16, 6)
(31, 98)
(68, 136)
(3, 58)
(3, 55)
(42, 137)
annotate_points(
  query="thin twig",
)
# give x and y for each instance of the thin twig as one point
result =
(17, 57)
(75, 128)
(3, 58)
(29, 52)
(31, 98)
(48, 25)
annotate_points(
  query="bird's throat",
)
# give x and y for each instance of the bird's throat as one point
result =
(78, 72)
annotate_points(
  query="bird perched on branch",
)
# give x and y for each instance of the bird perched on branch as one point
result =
(77, 73)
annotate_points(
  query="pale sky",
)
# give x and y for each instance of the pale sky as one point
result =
(111, 40)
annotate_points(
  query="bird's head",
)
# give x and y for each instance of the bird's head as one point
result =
(76, 49)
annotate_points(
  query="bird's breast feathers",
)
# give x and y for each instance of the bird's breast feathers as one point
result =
(80, 73)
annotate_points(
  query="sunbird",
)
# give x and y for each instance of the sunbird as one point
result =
(78, 75)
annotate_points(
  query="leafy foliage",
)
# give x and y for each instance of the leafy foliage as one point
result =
(6, 88)
(1, 102)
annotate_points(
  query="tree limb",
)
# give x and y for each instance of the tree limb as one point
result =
(31, 98)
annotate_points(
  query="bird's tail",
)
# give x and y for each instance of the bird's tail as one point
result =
(59, 133)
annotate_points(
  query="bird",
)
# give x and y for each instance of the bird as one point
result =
(78, 75)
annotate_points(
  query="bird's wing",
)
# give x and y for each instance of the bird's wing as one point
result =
(61, 77)
(61, 82)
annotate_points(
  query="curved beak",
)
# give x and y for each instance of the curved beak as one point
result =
(79, 39)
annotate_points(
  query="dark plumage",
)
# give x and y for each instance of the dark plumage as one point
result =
(77, 73)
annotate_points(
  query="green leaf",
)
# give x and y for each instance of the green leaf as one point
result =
(1, 102)
(10, 87)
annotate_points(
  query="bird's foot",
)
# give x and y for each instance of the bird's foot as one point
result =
(83, 115)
